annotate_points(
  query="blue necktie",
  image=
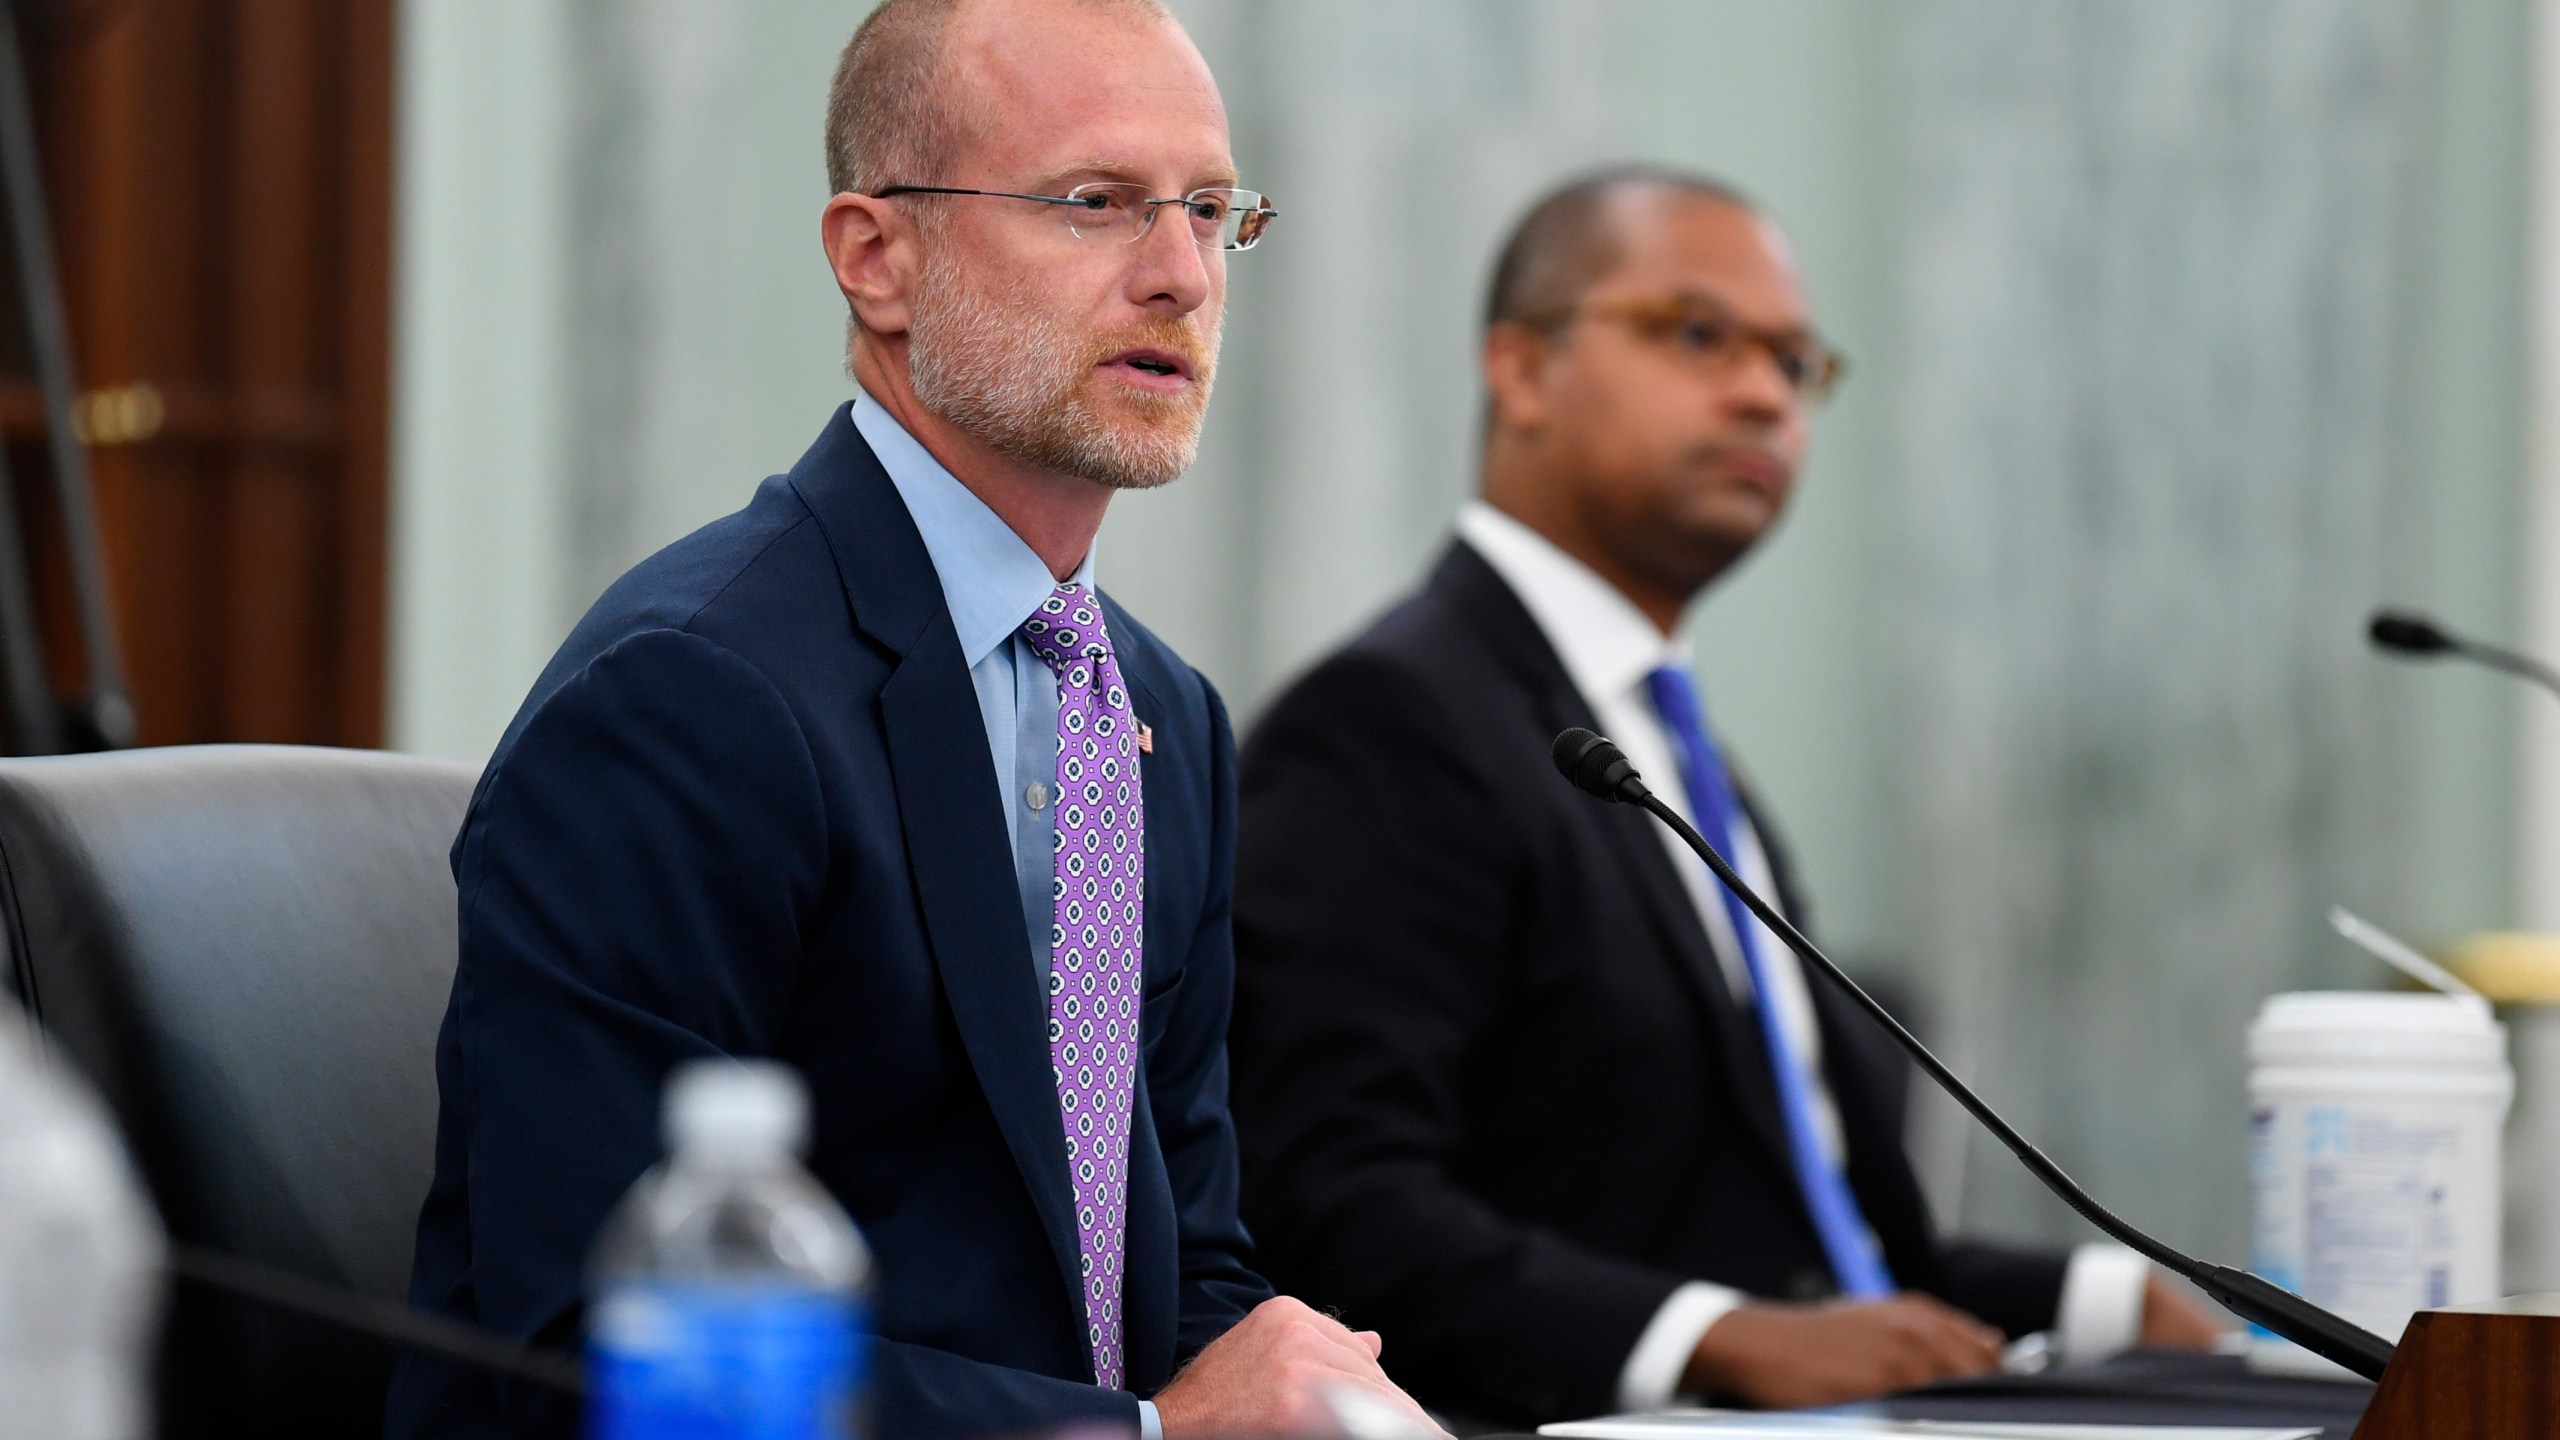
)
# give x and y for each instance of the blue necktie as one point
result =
(1845, 1237)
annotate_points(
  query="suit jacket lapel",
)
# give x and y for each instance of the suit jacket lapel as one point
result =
(1488, 601)
(949, 812)
(1674, 914)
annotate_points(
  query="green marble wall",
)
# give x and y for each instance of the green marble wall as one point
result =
(2185, 331)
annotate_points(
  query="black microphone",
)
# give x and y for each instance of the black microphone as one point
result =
(1595, 765)
(2415, 636)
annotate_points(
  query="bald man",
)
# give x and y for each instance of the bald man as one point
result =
(869, 778)
(1519, 1084)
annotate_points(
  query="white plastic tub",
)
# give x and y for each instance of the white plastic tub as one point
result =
(2374, 1139)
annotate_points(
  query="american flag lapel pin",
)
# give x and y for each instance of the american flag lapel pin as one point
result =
(1146, 738)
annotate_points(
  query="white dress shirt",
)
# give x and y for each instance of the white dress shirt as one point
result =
(1608, 647)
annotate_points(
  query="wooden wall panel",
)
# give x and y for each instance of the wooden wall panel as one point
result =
(220, 175)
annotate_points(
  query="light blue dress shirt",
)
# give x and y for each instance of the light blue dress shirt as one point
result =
(992, 581)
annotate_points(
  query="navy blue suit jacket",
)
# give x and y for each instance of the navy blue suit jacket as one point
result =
(748, 810)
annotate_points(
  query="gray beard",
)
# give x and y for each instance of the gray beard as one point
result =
(1006, 372)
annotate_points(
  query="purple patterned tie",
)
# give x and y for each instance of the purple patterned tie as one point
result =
(1095, 968)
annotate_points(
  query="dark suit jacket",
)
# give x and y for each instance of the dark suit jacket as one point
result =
(749, 810)
(1497, 1099)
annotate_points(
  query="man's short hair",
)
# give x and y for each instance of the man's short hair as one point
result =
(1568, 239)
(890, 119)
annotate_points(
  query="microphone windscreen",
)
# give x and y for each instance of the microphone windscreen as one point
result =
(2408, 633)
(1591, 762)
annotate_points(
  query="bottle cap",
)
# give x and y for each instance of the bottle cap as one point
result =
(730, 1111)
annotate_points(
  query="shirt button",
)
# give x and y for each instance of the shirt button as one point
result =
(1036, 795)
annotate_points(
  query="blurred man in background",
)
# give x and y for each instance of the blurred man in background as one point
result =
(869, 778)
(1518, 1083)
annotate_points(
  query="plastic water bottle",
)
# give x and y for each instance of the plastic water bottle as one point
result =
(80, 1254)
(731, 1294)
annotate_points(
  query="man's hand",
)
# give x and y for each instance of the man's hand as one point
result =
(1267, 1377)
(2172, 1321)
(1783, 1357)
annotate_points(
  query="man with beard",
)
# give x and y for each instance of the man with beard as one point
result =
(868, 777)
(1519, 1084)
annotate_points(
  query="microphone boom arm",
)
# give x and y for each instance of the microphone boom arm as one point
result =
(2515, 663)
(1607, 774)
(388, 1321)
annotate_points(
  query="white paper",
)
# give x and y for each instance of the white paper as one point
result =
(1748, 1425)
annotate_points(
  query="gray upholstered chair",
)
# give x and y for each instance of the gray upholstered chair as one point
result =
(248, 949)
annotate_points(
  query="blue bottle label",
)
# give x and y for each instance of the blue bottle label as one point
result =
(724, 1362)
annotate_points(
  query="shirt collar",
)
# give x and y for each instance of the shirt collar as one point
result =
(991, 579)
(1606, 643)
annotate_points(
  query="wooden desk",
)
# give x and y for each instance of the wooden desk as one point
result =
(2473, 1372)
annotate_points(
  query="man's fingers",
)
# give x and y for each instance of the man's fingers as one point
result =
(1956, 1344)
(1302, 1323)
(1364, 1344)
(1322, 1383)
(1986, 1336)
(1335, 1354)
(1845, 1350)
(1926, 1340)
(1271, 1375)
(1385, 1393)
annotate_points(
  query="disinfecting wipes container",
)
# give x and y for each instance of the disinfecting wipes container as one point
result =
(2374, 1123)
